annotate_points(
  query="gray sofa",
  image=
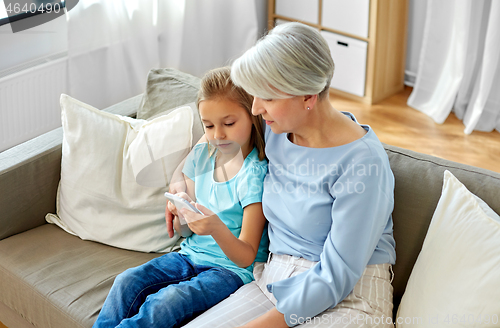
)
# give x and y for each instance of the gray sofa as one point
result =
(49, 278)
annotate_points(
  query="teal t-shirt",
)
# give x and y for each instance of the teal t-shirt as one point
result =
(226, 199)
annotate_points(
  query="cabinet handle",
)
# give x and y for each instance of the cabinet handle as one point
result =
(343, 44)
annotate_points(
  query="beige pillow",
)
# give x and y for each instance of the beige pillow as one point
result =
(103, 155)
(166, 90)
(456, 278)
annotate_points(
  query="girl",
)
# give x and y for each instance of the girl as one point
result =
(224, 174)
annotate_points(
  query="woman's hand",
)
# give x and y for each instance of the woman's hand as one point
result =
(207, 224)
(271, 319)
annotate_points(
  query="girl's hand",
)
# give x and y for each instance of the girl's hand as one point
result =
(182, 229)
(171, 212)
(185, 196)
(171, 207)
(207, 224)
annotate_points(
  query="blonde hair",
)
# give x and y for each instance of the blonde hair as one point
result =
(217, 84)
(293, 59)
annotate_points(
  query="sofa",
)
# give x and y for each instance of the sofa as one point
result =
(49, 278)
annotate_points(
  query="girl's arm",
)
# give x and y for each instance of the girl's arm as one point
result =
(183, 229)
(178, 181)
(242, 250)
(190, 188)
(177, 184)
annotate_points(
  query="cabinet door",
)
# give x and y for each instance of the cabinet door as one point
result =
(349, 56)
(350, 16)
(303, 10)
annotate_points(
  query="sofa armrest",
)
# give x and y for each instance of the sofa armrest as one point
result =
(30, 173)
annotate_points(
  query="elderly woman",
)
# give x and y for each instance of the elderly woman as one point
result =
(328, 197)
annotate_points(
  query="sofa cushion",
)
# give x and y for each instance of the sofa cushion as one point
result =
(455, 278)
(29, 176)
(54, 279)
(419, 180)
(167, 89)
(104, 158)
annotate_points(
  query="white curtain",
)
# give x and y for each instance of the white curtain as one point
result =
(114, 43)
(459, 64)
(199, 35)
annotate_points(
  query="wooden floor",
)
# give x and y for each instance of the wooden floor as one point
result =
(397, 124)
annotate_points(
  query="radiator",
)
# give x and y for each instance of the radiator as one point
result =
(29, 99)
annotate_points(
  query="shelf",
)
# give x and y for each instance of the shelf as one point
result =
(386, 42)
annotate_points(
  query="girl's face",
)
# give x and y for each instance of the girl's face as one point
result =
(282, 115)
(228, 126)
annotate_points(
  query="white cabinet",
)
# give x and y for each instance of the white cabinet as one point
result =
(302, 10)
(349, 56)
(367, 39)
(351, 16)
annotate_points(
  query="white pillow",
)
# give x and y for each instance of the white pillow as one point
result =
(102, 156)
(456, 278)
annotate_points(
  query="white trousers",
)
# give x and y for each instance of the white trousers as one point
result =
(368, 305)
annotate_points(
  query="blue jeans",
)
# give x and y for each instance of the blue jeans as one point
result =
(165, 292)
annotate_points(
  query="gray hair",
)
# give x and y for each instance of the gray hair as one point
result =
(293, 59)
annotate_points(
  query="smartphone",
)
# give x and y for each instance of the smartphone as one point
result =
(181, 203)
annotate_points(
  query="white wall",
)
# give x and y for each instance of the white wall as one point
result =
(37, 42)
(51, 38)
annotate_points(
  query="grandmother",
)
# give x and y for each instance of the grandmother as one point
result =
(328, 197)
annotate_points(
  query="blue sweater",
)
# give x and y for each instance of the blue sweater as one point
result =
(331, 205)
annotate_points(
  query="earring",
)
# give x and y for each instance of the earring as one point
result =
(308, 108)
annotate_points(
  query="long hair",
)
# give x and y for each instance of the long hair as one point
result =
(217, 84)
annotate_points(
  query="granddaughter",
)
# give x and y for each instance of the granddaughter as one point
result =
(224, 175)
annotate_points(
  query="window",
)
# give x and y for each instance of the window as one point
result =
(25, 14)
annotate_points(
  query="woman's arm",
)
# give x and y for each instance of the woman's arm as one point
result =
(360, 218)
(271, 319)
(242, 250)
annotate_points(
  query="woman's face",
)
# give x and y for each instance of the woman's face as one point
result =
(282, 115)
(228, 126)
